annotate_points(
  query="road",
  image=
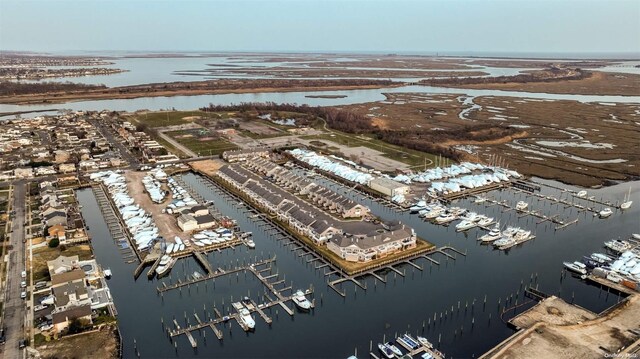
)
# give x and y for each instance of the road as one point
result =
(14, 307)
(109, 135)
(177, 144)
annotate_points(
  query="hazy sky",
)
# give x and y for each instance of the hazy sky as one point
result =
(386, 26)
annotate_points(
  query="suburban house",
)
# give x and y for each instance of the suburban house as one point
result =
(244, 154)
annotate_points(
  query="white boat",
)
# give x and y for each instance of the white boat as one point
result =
(207, 242)
(636, 236)
(246, 318)
(601, 258)
(199, 244)
(161, 270)
(181, 247)
(394, 349)
(627, 202)
(169, 248)
(434, 212)
(522, 235)
(301, 301)
(445, 218)
(521, 206)
(577, 267)
(178, 240)
(617, 245)
(164, 260)
(504, 241)
(250, 243)
(581, 194)
(493, 235)
(605, 212)
(107, 273)
(388, 353)
(465, 225)
(199, 236)
(483, 222)
(425, 342)
(479, 200)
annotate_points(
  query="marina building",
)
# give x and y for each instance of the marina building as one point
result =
(389, 187)
(379, 244)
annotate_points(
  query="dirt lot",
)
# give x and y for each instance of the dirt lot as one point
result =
(578, 143)
(167, 227)
(583, 340)
(95, 345)
(555, 311)
(208, 167)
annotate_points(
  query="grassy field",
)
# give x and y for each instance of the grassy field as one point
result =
(203, 147)
(166, 118)
(405, 155)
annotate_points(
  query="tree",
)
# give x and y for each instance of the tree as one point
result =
(53, 243)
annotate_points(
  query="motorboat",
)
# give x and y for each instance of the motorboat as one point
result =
(107, 273)
(246, 318)
(521, 206)
(394, 349)
(199, 244)
(435, 212)
(301, 301)
(522, 235)
(618, 245)
(388, 353)
(493, 235)
(164, 260)
(483, 222)
(250, 243)
(636, 236)
(601, 258)
(606, 212)
(169, 248)
(199, 236)
(445, 218)
(425, 342)
(465, 225)
(162, 270)
(581, 194)
(197, 275)
(181, 247)
(626, 202)
(504, 241)
(577, 267)
(457, 211)
(480, 200)
(207, 242)
(413, 344)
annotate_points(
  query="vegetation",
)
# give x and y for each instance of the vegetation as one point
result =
(54, 242)
(548, 75)
(164, 118)
(10, 88)
(202, 143)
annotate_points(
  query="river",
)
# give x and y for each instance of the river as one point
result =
(340, 325)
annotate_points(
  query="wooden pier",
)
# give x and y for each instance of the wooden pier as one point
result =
(116, 227)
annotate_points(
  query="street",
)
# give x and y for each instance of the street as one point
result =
(14, 306)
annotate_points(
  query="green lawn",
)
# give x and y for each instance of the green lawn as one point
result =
(405, 155)
(206, 147)
(167, 118)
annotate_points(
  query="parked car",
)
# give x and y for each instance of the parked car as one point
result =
(22, 343)
(23, 295)
(24, 274)
(23, 284)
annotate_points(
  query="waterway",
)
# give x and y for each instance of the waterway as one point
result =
(340, 325)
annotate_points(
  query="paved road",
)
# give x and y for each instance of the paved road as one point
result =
(109, 134)
(14, 307)
(177, 144)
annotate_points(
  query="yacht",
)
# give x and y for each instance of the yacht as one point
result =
(465, 225)
(485, 221)
(627, 202)
(394, 349)
(606, 212)
(425, 342)
(434, 212)
(457, 211)
(581, 194)
(301, 301)
(164, 260)
(161, 270)
(577, 267)
(445, 218)
(522, 235)
(504, 241)
(601, 258)
(521, 206)
(493, 235)
(617, 245)
(246, 318)
(388, 353)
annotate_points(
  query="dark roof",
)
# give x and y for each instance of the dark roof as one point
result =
(69, 276)
(207, 218)
(71, 313)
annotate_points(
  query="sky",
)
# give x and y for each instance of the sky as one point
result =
(428, 26)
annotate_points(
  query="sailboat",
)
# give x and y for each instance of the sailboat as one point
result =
(627, 201)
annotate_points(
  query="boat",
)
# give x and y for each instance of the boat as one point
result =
(522, 235)
(107, 273)
(581, 194)
(301, 301)
(627, 202)
(483, 222)
(479, 200)
(250, 243)
(493, 235)
(606, 212)
(577, 267)
(504, 241)
(601, 258)
(161, 270)
(403, 342)
(412, 342)
(199, 236)
(164, 260)
(169, 248)
(521, 206)
(246, 318)
(199, 244)
(465, 225)
(425, 342)
(207, 242)
(618, 245)
(197, 275)
(445, 218)
(394, 349)
(636, 236)
(388, 353)
(434, 212)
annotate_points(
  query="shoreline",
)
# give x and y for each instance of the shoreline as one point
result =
(58, 98)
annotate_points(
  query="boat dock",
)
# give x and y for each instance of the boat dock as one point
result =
(117, 229)
(412, 352)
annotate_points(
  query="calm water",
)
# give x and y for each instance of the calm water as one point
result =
(340, 325)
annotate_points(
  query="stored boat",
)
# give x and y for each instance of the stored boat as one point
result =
(577, 267)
